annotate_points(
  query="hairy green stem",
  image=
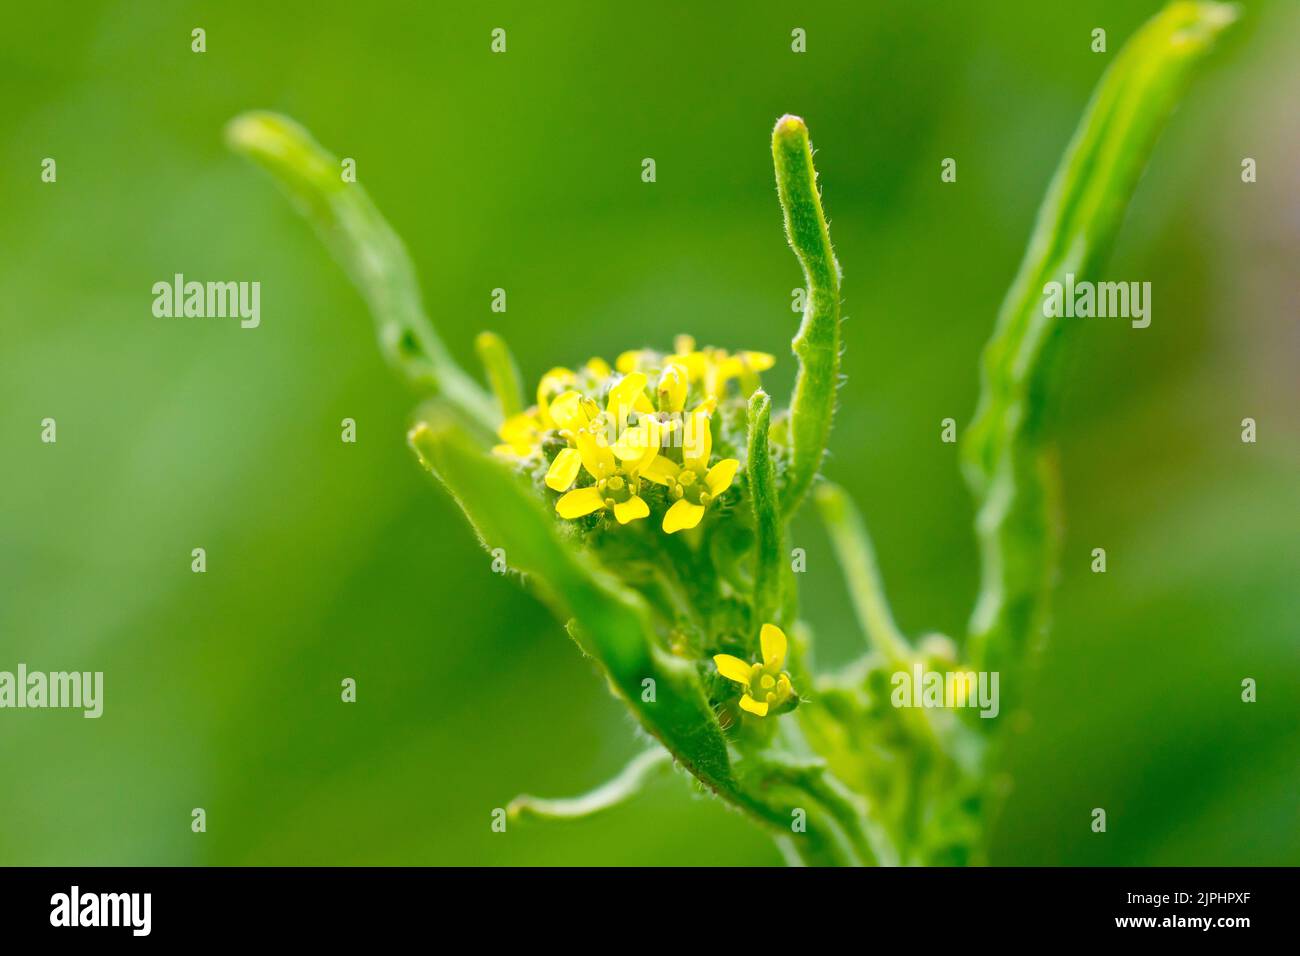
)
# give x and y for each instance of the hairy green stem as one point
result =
(817, 343)
(767, 521)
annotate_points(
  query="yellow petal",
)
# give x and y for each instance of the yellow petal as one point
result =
(708, 406)
(597, 367)
(672, 388)
(684, 343)
(622, 397)
(695, 363)
(555, 381)
(772, 639)
(662, 471)
(753, 706)
(732, 668)
(631, 510)
(517, 428)
(564, 469)
(652, 445)
(728, 367)
(629, 361)
(721, 475)
(697, 441)
(567, 411)
(634, 442)
(682, 515)
(552, 383)
(579, 502)
(758, 361)
(596, 456)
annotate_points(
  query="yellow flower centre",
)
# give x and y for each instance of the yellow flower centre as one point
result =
(692, 487)
(771, 687)
(616, 489)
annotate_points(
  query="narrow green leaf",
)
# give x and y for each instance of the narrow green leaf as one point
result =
(369, 251)
(1005, 457)
(817, 343)
(629, 782)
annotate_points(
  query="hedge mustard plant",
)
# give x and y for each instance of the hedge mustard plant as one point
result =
(647, 501)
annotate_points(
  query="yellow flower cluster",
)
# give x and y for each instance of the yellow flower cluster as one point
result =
(642, 434)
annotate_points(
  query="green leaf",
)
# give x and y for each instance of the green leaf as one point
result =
(817, 343)
(1005, 455)
(369, 251)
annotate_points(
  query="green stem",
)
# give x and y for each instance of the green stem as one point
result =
(857, 561)
(767, 521)
(817, 343)
(837, 832)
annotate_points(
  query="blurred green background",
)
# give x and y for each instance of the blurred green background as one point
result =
(522, 171)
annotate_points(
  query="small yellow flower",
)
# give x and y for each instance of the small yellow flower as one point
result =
(693, 483)
(616, 468)
(674, 382)
(694, 361)
(618, 484)
(743, 366)
(714, 368)
(521, 434)
(634, 360)
(574, 413)
(766, 685)
(708, 368)
(553, 383)
(597, 367)
(571, 412)
(625, 398)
